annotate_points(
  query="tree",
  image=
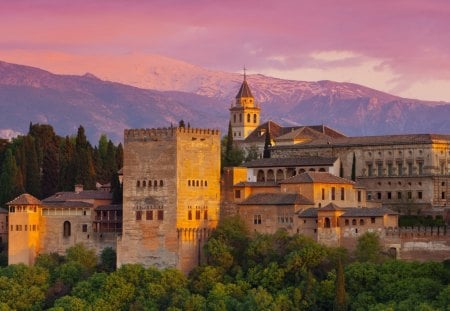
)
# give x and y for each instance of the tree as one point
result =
(67, 170)
(119, 156)
(50, 169)
(354, 167)
(32, 179)
(267, 145)
(85, 172)
(108, 259)
(340, 301)
(11, 183)
(181, 123)
(368, 248)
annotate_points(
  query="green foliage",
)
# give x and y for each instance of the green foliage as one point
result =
(354, 167)
(267, 145)
(108, 259)
(341, 299)
(82, 255)
(231, 155)
(369, 248)
(420, 221)
(11, 182)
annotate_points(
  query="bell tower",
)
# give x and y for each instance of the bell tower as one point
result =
(244, 113)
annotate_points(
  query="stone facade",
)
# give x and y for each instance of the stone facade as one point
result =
(56, 223)
(408, 173)
(171, 196)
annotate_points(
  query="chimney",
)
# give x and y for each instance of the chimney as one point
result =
(78, 188)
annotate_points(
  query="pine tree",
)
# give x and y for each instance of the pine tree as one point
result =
(340, 303)
(354, 167)
(267, 145)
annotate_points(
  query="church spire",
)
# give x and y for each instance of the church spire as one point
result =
(244, 91)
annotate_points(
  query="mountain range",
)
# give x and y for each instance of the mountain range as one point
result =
(165, 91)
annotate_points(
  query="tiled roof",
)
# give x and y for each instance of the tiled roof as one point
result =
(110, 207)
(350, 212)
(316, 177)
(303, 132)
(255, 136)
(406, 139)
(25, 199)
(308, 213)
(66, 204)
(367, 212)
(256, 184)
(276, 199)
(244, 91)
(82, 195)
(300, 161)
(331, 207)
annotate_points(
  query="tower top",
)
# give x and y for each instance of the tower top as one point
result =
(244, 91)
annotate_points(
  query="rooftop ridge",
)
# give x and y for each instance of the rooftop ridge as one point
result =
(165, 132)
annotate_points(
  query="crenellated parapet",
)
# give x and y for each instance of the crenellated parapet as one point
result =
(166, 133)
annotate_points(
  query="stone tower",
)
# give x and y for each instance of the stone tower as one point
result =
(171, 195)
(24, 219)
(244, 114)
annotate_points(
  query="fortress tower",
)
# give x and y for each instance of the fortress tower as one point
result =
(244, 114)
(24, 219)
(171, 195)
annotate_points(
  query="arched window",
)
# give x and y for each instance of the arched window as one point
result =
(149, 183)
(189, 182)
(155, 183)
(197, 183)
(301, 170)
(361, 222)
(240, 117)
(312, 170)
(260, 176)
(144, 183)
(189, 215)
(248, 118)
(161, 183)
(66, 227)
(354, 222)
(270, 175)
(138, 183)
(234, 118)
(327, 223)
(346, 222)
(280, 174)
(322, 169)
(206, 183)
(255, 118)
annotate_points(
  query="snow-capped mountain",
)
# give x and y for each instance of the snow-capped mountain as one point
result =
(165, 91)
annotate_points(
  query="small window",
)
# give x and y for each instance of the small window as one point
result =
(189, 183)
(347, 222)
(379, 195)
(160, 215)
(26, 227)
(197, 214)
(197, 183)
(206, 183)
(333, 193)
(254, 118)
(389, 195)
(409, 195)
(161, 183)
(361, 222)
(84, 228)
(342, 194)
(189, 215)
(323, 194)
(149, 215)
(257, 219)
(201, 183)
(144, 183)
(372, 220)
(66, 229)
(359, 195)
(149, 183)
(84, 212)
(138, 183)
(34, 227)
(419, 195)
(354, 222)
(205, 214)
(237, 194)
(12, 228)
(443, 195)
(248, 118)
(138, 215)
(399, 195)
(155, 183)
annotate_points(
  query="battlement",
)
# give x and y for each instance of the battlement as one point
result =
(166, 133)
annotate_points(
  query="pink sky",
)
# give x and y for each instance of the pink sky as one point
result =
(398, 46)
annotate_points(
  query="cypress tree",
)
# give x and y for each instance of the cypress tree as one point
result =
(229, 146)
(67, 170)
(119, 156)
(11, 184)
(354, 167)
(110, 161)
(85, 172)
(116, 189)
(340, 303)
(50, 169)
(267, 145)
(32, 177)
